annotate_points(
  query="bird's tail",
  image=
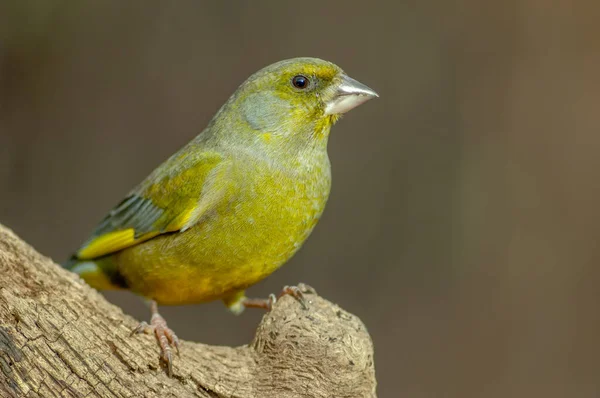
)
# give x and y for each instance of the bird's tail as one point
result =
(100, 273)
(70, 263)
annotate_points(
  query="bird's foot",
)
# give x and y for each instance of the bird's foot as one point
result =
(297, 292)
(165, 337)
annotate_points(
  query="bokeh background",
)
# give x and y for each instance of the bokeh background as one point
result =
(463, 225)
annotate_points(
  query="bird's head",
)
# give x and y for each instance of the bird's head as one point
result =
(300, 98)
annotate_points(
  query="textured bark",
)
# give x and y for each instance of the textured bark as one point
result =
(60, 338)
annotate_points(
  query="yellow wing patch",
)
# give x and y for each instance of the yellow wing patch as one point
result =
(171, 199)
(111, 242)
(180, 221)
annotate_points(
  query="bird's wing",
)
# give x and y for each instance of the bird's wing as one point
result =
(173, 198)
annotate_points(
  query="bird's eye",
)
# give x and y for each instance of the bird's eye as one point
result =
(300, 82)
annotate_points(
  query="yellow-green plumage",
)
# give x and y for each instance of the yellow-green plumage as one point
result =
(234, 204)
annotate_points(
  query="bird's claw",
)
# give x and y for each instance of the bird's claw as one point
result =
(298, 292)
(142, 327)
(165, 337)
(271, 300)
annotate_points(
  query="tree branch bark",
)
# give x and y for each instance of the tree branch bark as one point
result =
(60, 338)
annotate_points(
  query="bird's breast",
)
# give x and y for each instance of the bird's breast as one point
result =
(277, 210)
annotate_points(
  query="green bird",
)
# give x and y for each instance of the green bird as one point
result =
(232, 205)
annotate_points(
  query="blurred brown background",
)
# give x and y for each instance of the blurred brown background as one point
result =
(463, 223)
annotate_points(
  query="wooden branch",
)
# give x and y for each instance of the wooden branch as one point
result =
(60, 338)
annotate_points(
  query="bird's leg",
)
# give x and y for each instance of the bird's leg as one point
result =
(164, 335)
(297, 292)
(266, 304)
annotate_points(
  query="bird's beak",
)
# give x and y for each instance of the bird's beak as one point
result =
(348, 95)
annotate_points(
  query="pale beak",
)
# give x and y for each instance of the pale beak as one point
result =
(349, 94)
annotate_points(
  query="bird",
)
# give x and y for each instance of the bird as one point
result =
(231, 206)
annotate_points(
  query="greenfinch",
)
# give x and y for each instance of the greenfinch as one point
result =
(232, 205)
